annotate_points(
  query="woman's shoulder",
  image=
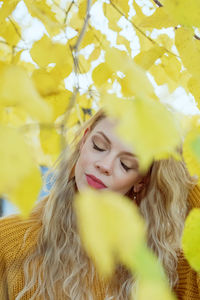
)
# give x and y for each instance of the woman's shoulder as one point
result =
(194, 196)
(17, 235)
(13, 223)
(14, 226)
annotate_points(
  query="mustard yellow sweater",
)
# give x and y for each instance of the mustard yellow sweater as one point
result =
(13, 251)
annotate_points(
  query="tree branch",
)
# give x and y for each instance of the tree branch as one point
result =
(75, 50)
(68, 10)
(158, 3)
(197, 37)
(15, 27)
(140, 30)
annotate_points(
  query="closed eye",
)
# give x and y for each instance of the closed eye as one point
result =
(100, 149)
(124, 166)
(97, 148)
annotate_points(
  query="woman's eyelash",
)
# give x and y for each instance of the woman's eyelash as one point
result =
(97, 148)
(124, 166)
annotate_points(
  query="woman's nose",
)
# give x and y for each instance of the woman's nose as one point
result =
(104, 166)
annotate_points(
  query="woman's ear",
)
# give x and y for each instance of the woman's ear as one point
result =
(142, 183)
(138, 187)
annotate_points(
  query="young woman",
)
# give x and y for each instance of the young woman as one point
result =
(42, 258)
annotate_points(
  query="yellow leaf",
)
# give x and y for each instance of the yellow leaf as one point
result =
(133, 83)
(194, 88)
(172, 66)
(191, 151)
(82, 4)
(147, 126)
(16, 57)
(50, 142)
(13, 116)
(27, 192)
(59, 102)
(20, 179)
(165, 41)
(161, 77)
(10, 31)
(149, 289)
(116, 59)
(76, 22)
(29, 67)
(83, 8)
(33, 139)
(191, 239)
(45, 83)
(7, 8)
(76, 117)
(183, 80)
(60, 12)
(88, 38)
(85, 64)
(22, 94)
(15, 158)
(135, 77)
(160, 19)
(45, 52)
(84, 101)
(92, 36)
(139, 13)
(87, 114)
(59, 72)
(95, 54)
(189, 50)
(147, 58)
(145, 44)
(112, 15)
(112, 232)
(123, 41)
(184, 12)
(123, 6)
(6, 53)
(41, 10)
(110, 226)
(101, 74)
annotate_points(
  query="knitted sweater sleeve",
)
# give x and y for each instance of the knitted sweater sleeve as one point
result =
(17, 238)
(188, 287)
(3, 271)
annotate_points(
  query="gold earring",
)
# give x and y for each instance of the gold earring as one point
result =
(134, 196)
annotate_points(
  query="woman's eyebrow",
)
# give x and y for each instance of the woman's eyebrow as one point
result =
(109, 142)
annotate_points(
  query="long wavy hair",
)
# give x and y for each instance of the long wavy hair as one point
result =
(59, 268)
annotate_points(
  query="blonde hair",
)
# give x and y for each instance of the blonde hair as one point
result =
(59, 263)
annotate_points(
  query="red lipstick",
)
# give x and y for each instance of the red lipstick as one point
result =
(95, 182)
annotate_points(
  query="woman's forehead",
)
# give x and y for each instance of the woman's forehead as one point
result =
(107, 124)
(107, 127)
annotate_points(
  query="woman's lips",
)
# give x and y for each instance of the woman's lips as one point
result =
(95, 182)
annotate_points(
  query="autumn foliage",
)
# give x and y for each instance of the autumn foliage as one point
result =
(40, 110)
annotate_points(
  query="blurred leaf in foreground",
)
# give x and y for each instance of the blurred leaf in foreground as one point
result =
(106, 240)
(191, 151)
(20, 177)
(150, 129)
(113, 232)
(17, 89)
(191, 239)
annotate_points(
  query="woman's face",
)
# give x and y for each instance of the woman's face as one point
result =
(105, 162)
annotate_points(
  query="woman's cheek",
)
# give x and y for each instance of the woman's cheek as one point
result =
(86, 160)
